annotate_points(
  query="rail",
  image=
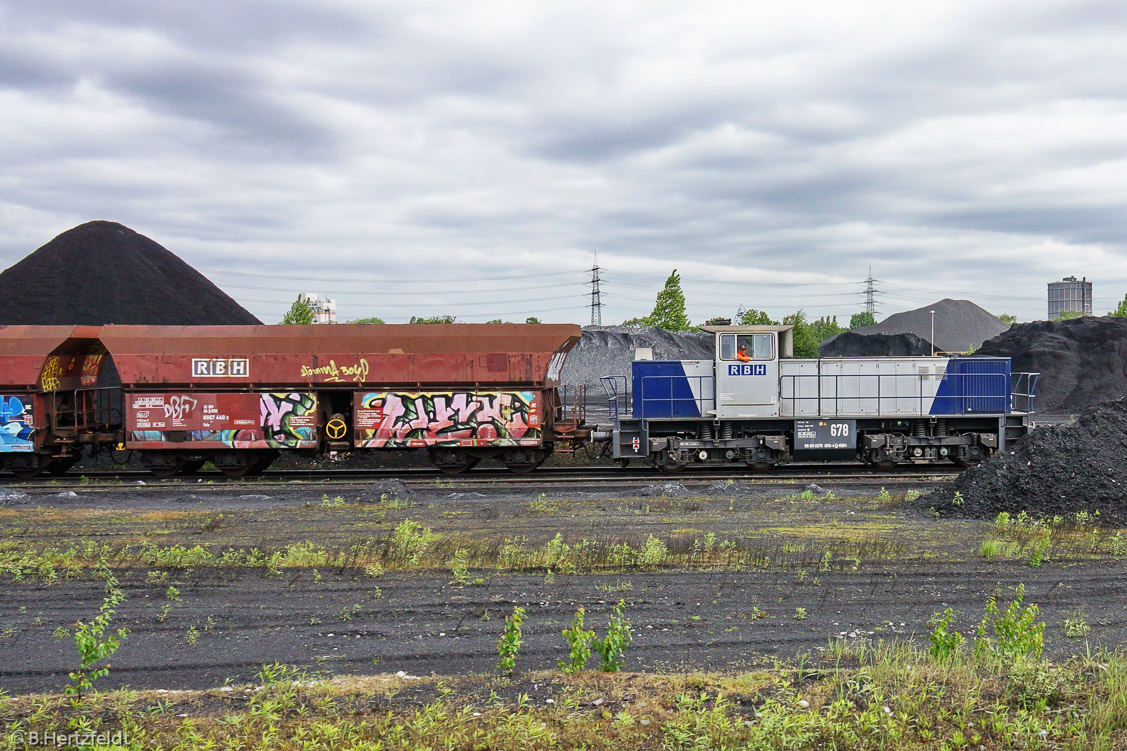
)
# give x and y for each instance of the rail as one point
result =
(867, 394)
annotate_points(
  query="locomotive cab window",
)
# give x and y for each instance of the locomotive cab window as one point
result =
(747, 347)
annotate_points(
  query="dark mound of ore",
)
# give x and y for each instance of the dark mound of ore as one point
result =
(1082, 362)
(103, 272)
(852, 344)
(960, 325)
(1057, 469)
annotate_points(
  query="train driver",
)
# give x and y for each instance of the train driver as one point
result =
(741, 353)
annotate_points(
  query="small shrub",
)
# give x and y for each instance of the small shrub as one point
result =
(1011, 634)
(579, 644)
(510, 642)
(92, 644)
(946, 642)
(612, 648)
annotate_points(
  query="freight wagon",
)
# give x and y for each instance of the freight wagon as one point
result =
(237, 396)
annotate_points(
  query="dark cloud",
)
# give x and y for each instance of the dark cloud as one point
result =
(802, 142)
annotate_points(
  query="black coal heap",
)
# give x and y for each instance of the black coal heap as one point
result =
(103, 272)
(1082, 361)
(1055, 470)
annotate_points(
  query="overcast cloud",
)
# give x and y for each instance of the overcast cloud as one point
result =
(459, 158)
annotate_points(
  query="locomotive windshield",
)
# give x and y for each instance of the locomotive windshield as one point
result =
(749, 346)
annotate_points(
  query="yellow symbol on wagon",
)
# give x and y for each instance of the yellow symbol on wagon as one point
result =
(336, 428)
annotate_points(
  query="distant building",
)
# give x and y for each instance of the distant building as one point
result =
(324, 311)
(1070, 295)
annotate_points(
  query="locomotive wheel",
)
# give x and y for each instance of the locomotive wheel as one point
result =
(671, 467)
(884, 463)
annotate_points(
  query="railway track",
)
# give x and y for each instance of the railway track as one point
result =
(551, 476)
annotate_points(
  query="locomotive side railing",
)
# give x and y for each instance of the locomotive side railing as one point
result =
(614, 393)
(1023, 391)
(987, 390)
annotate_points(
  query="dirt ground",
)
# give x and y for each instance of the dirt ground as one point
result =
(749, 573)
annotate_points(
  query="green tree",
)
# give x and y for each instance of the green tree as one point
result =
(371, 319)
(753, 317)
(532, 319)
(636, 322)
(300, 313)
(433, 319)
(805, 338)
(1068, 315)
(1008, 319)
(860, 320)
(718, 321)
(669, 309)
(495, 320)
(825, 327)
(1121, 311)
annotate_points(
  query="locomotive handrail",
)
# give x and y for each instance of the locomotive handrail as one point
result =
(704, 398)
(610, 386)
(960, 403)
(1023, 391)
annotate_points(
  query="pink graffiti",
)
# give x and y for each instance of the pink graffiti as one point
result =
(272, 412)
(446, 417)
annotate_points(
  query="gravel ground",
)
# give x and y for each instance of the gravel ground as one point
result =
(226, 623)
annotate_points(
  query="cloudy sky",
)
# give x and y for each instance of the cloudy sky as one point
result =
(471, 158)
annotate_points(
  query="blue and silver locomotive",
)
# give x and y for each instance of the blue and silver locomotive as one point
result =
(757, 405)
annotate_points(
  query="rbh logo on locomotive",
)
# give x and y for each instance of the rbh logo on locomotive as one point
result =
(747, 370)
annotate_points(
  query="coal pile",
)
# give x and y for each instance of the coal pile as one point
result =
(1060, 469)
(1082, 361)
(103, 272)
(960, 326)
(853, 344)
(609, 350)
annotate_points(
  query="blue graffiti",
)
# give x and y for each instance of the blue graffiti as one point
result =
(15, 433)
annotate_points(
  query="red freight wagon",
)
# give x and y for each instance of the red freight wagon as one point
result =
(239, 394)
(52, 400)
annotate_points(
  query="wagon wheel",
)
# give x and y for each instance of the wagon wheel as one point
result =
(522, 462)
(26, 473)
(670, 467)
(192, 466)
(59, 467)
(452, 462)
(166, 470)
(967, 461)
(760, 466)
